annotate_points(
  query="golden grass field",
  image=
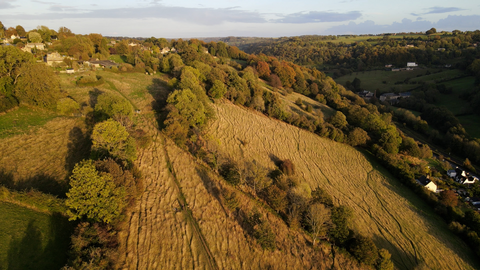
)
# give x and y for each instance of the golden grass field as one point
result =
(383, 208)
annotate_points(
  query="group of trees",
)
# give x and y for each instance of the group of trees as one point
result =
(22, 81)
(314, 50)
(103, 186)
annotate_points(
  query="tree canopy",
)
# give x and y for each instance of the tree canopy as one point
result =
(110, 138)
(93, 195)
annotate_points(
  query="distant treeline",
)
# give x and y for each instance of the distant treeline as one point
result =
(358, 56)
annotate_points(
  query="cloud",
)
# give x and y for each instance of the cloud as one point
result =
(202, 16)
(319, 16)
(452, 22)
(5, 4)
(438, 10)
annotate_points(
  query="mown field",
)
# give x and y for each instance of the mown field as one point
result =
(384, 209)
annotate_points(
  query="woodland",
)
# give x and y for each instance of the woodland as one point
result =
(153, 127)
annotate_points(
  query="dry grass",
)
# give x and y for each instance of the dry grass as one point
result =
(156, 236)
(43, 158)
(383, 208)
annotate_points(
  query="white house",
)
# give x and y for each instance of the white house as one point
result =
(412, 64)
(425, 182)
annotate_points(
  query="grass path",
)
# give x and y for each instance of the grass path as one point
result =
(383, 208)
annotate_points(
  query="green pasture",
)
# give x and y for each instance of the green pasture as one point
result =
(23, 119)
(117, 58)
(383, 81)
(31, 239)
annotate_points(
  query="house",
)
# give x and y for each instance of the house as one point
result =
(53, 58)
(366, 94)
(452, 173)
(70, 71)
(131, 44)
(165, 50)
(473, 201)
(391, 98)
(102, 63)
(412, 64)
(409, 46)
(427, 183)
(470, 180)
(38, 46)
(388, 65)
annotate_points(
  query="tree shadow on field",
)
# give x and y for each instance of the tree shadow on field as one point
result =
(30, 251)
(41, 182)
(93, 96)
(276, 160)
(79, 145)
(402, 259)
(6, 178)
(210, 186)
(159, 91)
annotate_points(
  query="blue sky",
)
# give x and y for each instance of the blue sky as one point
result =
(263, 18)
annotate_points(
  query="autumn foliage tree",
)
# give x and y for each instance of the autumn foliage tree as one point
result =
(263, 69)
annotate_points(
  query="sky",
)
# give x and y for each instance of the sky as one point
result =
(245, 18)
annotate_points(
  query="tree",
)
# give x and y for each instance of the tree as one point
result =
(467, 164)
(431, 31)
(217, 90)
(93, 195)
(276, 198)
(449, 198)
(2, 30)
(357, 137)
(110, 138)
(275, 81)
(67, 106)
(287, 167)
(20, 31)
(339, 120)
(10, 31)
(263, 69)
(109, 105)
(384, 261)
(13, 62)
(37, 85)
(34, 37)
(364, 250)
(188, 106)
(341, 216)
(319, 220)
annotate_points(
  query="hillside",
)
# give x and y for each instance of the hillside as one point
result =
(384, 209)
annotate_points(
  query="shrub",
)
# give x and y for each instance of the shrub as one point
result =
(287, 167)
(364, 250)
(230, 172)
(90, 80)
(67, 106)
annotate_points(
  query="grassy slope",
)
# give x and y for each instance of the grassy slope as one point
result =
(384, 209)
(31, 239)
(156, 236)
